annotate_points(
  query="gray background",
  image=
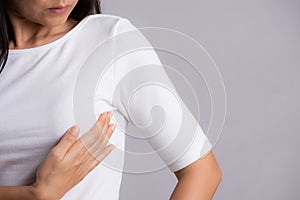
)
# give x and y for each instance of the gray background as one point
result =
(256, 46)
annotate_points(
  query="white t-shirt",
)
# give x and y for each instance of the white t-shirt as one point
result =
(36, 106)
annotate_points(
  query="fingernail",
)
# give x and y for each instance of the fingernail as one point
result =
(74, 130)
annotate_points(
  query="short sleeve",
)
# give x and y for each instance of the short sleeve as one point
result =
(147, 98)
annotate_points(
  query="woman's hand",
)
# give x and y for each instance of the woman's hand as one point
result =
(70, 161)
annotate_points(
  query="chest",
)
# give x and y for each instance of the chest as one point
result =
(36, 95)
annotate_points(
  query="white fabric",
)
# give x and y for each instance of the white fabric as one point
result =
(36, 106)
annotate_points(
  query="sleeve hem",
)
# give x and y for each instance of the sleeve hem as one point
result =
(189, 157)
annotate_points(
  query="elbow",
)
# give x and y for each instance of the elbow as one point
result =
(217, 176)
(216, 172)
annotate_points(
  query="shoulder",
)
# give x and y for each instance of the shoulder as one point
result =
(109, 23)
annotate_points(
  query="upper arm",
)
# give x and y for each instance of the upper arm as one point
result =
(147, 98)
(198, 180)
(207, 165)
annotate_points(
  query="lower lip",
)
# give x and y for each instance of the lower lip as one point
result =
(58, 10)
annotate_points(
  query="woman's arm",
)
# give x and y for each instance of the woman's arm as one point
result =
(17, 193)
(199, 180)
(66, 164)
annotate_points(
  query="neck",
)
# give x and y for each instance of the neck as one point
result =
(28, 34)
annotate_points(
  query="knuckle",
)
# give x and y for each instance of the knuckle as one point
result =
(77, 163)
(94, 163)
(70, 138)
(81, 147)
(101, 157)
(56, 154)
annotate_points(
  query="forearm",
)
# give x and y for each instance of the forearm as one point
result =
(196, 186)
(17, 193)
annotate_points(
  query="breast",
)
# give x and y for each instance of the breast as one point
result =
(36, 110)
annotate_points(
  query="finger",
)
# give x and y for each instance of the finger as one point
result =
(86, 162)
(87, 167)
(77, 151)
(96, 129)
(101, 153)
(96, 146)
(96, 139)
(103, 138)
(104, 153)
(93, 139)
(97, 133)
(102, 119)
(103, 128)
(107, 120)
(110, 130)
(89, 164)
(68, 139)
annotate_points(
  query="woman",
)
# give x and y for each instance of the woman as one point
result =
(43, 45)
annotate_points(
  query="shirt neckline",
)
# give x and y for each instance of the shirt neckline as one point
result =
(50, 44)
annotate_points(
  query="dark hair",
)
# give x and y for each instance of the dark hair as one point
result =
(80, 11)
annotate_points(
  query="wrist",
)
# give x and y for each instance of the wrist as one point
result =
(33, 193)
(37, 193)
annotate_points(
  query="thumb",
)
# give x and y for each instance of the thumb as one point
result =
(68, 139)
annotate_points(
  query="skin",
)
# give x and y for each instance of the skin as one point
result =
(199, 180)
(33, 26)
(65, 166)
